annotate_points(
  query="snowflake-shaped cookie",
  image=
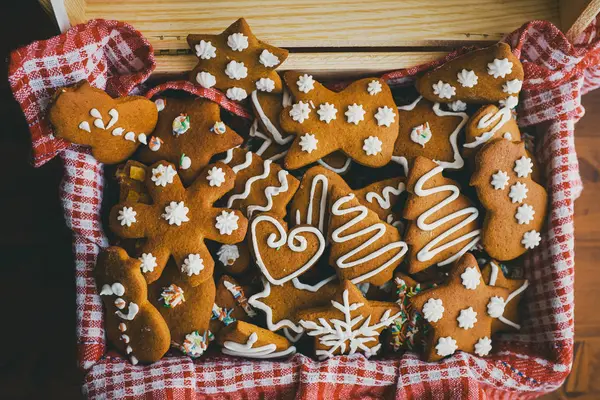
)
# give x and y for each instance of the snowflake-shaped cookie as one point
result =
(500, 180)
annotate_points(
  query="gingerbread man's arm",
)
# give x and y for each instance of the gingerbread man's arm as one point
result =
(212, 183)
(131, 220)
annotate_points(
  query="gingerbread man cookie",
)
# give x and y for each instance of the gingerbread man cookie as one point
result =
(113, 128)
(482, 76)
(179, 220)
(487, 124)
(516, 205)
(242, 339)
(133, 325)
(236, 62)
(361, 121)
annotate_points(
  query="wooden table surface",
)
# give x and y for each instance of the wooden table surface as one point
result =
(37, 353)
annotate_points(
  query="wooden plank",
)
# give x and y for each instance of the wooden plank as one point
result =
(334, 23)
(321, 65)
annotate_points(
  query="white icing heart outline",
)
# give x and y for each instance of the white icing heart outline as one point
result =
(288, 238)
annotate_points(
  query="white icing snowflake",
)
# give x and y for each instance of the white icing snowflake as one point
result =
(385, 116)
(500, 68)
(305, 83)
(483, 346)
(495, 307)
(268, 59)
(531, 239)
(176, 213)
(446, 346)
(458, 106)
(127, 216)
(471, 278)
(163, 175)
(327, 112)
(513, 86)
(206, 79)
(205, 50)
(236, 94)
(148, 262)
(228, 254)
(355, 114)
(237, 41)
(372, 145)
(374, 87)
(467, 318)
(350, 333)
(518, 192)
(308, 142)
(236, 70)
(500, 180)
(300, 111)
(215, 176)
(433, 310)
(510, 102)
(192, 265)
(227, 222)
(265, 85)
(443, 90)
(523, 167)
(467, 78)
(524, 214)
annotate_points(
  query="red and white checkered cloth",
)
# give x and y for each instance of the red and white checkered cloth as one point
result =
(115, 57)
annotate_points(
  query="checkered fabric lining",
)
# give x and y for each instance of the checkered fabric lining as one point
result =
(536, 360)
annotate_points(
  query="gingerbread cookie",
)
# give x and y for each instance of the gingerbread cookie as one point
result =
(187, 309)
(133, 325)
(113, 128)
(363, 248)
(336, 162)
(230, 305)
(236, 62)
(260, 185)
(427, 130)
(382, 197)
(189, 133)
(487, 124)
(267, 108)
(461, 311)
(131, 177)
(443, 223)
(349, 324)
(516, 205)
(179, 220)
(234, 258)
(361, 121)
(242, 339)
(481, 76)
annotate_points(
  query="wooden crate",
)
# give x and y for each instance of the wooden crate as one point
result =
(333, 36)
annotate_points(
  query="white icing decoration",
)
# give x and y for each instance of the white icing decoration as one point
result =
(228, 254)
(342, 170)
(206, 79)
(308, 142)
(500, 68)
(267, 142)
(305, 83)
(495, 307)
(163, 175)
(523, 167)
(471, 278)
(458, 105)
(320, 178)
(518, 192)
(357, 331)
(265, 85)
(467, 78)
(130, 136)
(160, 104)
(227, 222)
(216, 176)
(248, 350)
(509, 102)
(355, 114)
(176, 213)
(268, 59)
(294, 240)
(300, 111)
(512, 87)
(426, 253)
(446, 346)
(374, 87)
(384, 200)
(133, 360)
(185, 162)
(249, 182)
(443, 90)
(125, 338)
(524, 214)
(192, 265)
(95, 113)
(531, 239)
(114, 117)
(205, 50)
(131, 313)
(118, 131)
(237, 41)
(493, 277)
(148, 262)
(372, 145)
(106, 290)
(507, 136)
(236, 70)
(379, 229)
(497, 119)
(483, 346)
(98, 123)
(129, 350)
(467, 318)
(433, 310)
(277, 136)
(85, 126)
(120, 303)
(500, 180)
(127, 216)
(122, 327)
(385, 116)
(327, 112)
(142, 138)
(270, 192)
(236, 94)
(118, 289)
(421, 134)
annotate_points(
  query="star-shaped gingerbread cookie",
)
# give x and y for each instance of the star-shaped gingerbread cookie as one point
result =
(188, 133)
(461, 311)
(179, 220)
(236, 62)
(361, 121)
